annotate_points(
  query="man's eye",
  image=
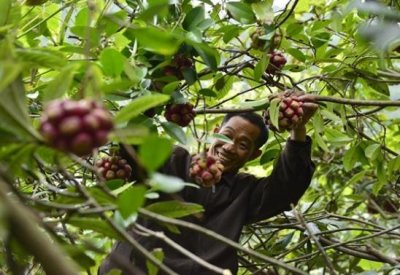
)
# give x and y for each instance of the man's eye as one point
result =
(243, 146)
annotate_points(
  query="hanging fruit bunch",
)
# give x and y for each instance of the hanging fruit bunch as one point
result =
(114, 167)
(290, 112)
(76, 127)
(205, 170)
(181, 114)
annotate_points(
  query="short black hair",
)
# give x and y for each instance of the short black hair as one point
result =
(256, 120)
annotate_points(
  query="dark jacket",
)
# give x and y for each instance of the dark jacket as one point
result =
(238, 199)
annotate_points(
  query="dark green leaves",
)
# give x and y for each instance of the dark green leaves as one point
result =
(175, 131)
(112, 62)
(139, 105)
(274, 111)
(131, 200)
(241, 12)
(175, 209)
(157, 40)
(154, 151)
(61, 83)
(209, 55)
(38, 57)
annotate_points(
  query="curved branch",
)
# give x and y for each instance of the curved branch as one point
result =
(220, 238)
(29, 235)
(318, 98)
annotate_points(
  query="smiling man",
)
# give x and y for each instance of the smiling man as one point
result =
(237, 199)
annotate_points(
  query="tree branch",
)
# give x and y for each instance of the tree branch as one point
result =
(27, 232)
(220, 238)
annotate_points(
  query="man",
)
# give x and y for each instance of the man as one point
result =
(237, 199)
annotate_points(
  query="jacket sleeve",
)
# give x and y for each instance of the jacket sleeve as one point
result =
(288, 181)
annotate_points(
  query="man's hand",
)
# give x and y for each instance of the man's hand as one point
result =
(309, 108)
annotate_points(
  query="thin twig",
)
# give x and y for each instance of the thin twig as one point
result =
(220, 238)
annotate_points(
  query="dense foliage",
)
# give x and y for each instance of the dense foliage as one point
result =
(136, 57)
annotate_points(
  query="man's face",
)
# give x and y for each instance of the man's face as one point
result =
(244, 135)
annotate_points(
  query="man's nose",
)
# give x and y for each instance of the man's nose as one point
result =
(229, 147)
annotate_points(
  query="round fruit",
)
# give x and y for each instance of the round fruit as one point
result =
(75, 126)
(276, 62)
(181, 114)
(205, 170)
(182, 61)
(290, 113)
(114, 168)
(170, 70)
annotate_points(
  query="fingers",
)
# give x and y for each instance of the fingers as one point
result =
(307, 98)
(310, 105)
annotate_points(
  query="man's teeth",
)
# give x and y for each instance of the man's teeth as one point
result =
(222, 158)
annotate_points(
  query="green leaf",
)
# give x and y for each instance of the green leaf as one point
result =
(134, 134)
(274, 112)
(221, 137)
(131, 200)
(269, 155)
(157, 40)
(332, 116)
(351, 157)
(175, 131)
(60, 84)
(372, 151)
(209, 55)
(261, 104)
(207, 92)
(335, 136)
(229, 32)
(296, 53)
(155, 7)
(39, 57)
(77, 253)
(14, 114)
(165, 183)
(193, 18)
(96, 225)
(175, 209)
(394, 165)
(9, 71)
(261, 66)
(241, 12)
(112, 62)
(151, 268)
(5, 7)
(138, 106)
(154, 151)
(190, 75)
(171, 87)
(321, 143)
(263, 11)
(135, 73)
(356, 178)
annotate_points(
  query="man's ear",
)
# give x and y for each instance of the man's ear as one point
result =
(256, 154)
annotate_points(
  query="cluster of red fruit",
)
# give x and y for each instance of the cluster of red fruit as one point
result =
(181, 114)
(205, 170)
(276, 59)
(114, 168)
(276, 62)
(290, 113)
(179, 63)
(75, 126)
